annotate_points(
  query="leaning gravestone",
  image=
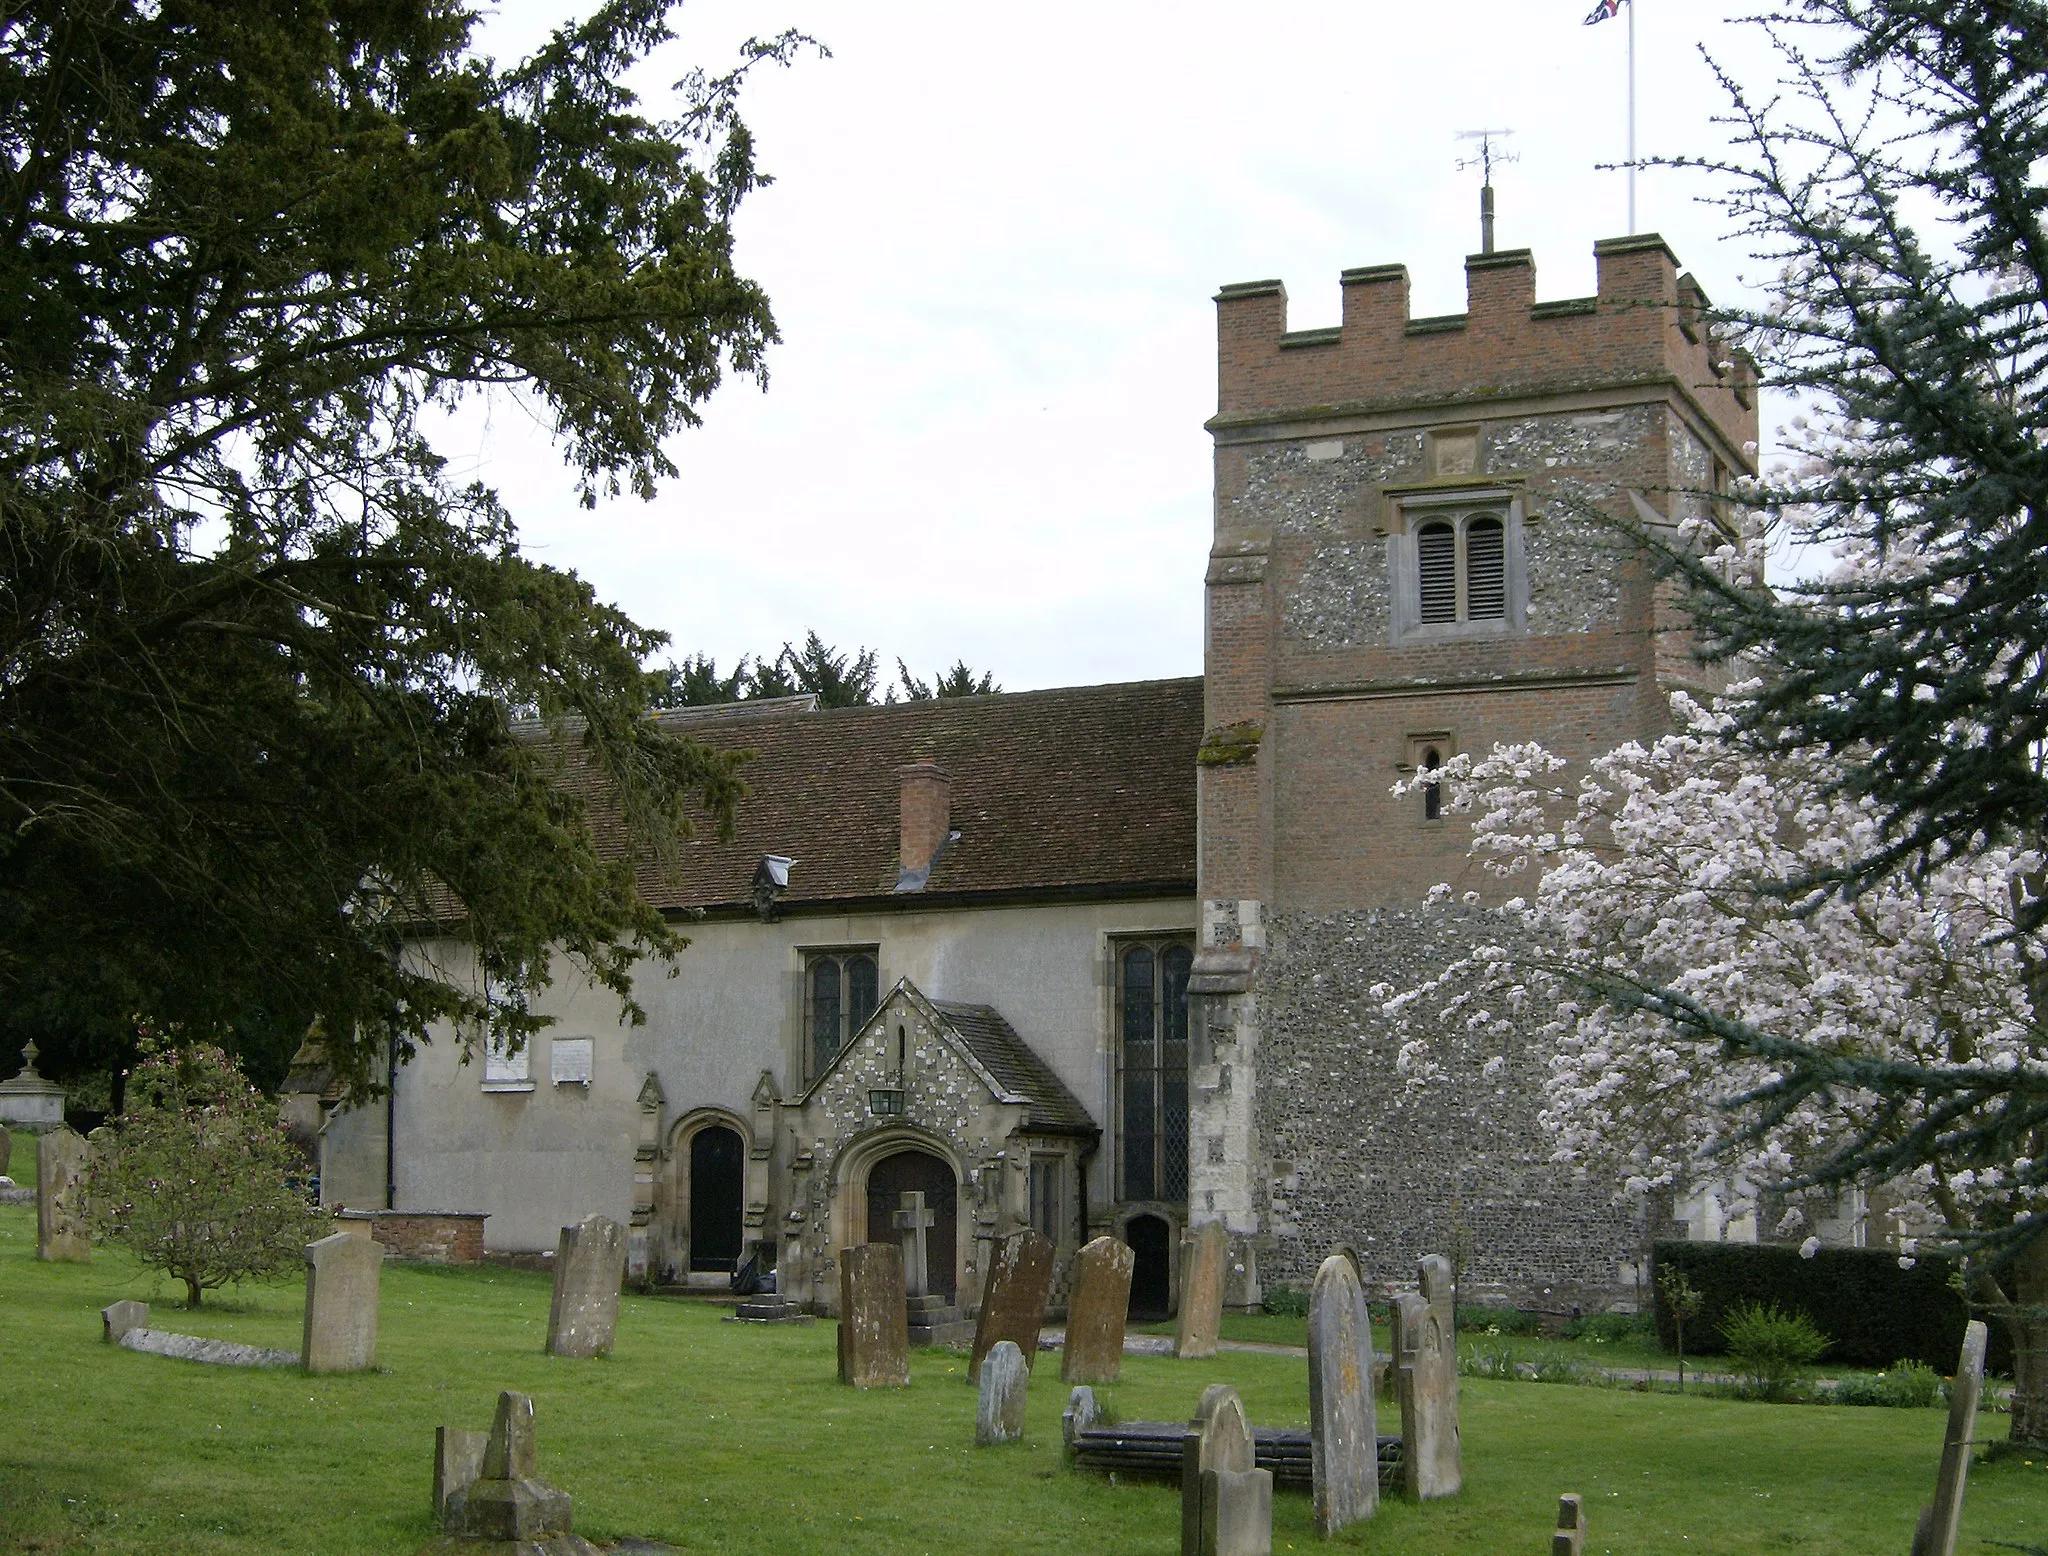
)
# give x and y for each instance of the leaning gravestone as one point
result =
(874, 1338)
(341, 1303)
(60, 1198)
(1939, 1521)
(1344, 1454)
(1431, 1459)
(508, 1506)
(590, 1266)
(1226, 1501)
(1013, 1301)
(1204, 1263)
(1096, 1310)
(1569, 1538)
(1005, 1384)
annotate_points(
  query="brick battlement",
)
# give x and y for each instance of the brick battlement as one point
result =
(1644, 326)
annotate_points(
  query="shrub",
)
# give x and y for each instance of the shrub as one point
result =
(1286, 1302)
(1609, 1328)
(1490, 1359)
(1554, 1366)
(198, 1176)
(1476, 1319)
(1907, 1385)
(1769, 1345)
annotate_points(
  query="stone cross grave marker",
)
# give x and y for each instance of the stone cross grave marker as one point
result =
(342, 1274)
(874, 1333)
(1005, 1385)
(1569, 1539)
(1226, 1501)
(508, 1502)
(1344, 1445)
(1432, 1460)
(1204, 1264)
(1096, 1310)
(60, 1198)
(1939, 1521)
(914, 1221)
(590, 1266)
(1013, 1301)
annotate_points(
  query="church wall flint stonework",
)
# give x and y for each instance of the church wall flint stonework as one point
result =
(1411, 560)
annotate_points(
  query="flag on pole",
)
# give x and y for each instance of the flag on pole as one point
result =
(1603, 10)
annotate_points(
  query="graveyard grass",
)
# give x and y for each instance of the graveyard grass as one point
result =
(718, 1437)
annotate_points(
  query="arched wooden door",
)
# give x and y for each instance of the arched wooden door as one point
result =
(912, 1172)
(1151, 1241)
(718, 1186)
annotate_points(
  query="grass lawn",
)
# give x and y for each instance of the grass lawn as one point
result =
(720, 1438)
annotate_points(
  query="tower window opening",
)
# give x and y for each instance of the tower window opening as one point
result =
(1432, 786)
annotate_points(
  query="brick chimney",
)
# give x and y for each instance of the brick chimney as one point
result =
(927, 813)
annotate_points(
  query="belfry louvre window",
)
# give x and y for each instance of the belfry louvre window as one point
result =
(840, 994)
(1461, 570)
(1152, 1070)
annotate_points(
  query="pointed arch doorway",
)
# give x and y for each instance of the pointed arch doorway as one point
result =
(718, 1185)
(919, 1172)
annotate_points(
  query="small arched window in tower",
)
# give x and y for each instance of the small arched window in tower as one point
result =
(1486, 569)
(1432, 786)
(1436, 566)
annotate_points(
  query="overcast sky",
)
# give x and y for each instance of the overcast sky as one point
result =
(992, 245)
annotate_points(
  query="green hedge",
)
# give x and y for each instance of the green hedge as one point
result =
(1873, 1311)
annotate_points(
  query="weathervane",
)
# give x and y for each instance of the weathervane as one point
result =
(1488, 155)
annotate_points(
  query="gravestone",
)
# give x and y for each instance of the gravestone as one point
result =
(508, 1504)
(1226, 1501)
(1344, 1447)
(1081, 1413)
(1096, 1309)
(1570, 1536)
(1204, 1264)
(1013, 1301)
(458, 1461)
(874, 1340)
(1439, 1289)
(590, 1266)
(1005, 1384)
(1939, 1521)
(1432, 1460)
(341, 1304)
(6, 1150)
(117, 1318)
(60, 1198)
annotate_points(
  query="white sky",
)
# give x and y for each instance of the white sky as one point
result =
(991, 247)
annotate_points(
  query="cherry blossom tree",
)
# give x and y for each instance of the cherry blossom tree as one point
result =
(1709, 1013)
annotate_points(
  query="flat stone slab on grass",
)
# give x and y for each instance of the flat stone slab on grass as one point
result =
(218, 1353)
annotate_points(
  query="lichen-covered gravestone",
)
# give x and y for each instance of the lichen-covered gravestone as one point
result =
(1343, 1428)
(590, 1267)
(1096, 1310)
(1005, 1384)
(1204, 1265)
(342, 1274)
(1013, 1301)
(1431, 1455)
(1939, 1521)
(60, 1198)
(874, 1335)
(1226, 1500)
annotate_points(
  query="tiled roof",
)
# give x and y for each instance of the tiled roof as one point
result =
(1054, 1109)
(1087, 789)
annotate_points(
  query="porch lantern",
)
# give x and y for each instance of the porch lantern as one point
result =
(886, 1102)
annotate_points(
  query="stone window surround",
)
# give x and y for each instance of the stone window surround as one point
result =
(1410, 507)
(1116, 945)
(807, 957)
(1444, 743)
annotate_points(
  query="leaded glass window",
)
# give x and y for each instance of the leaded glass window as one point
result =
(1152, 987)
(840, 995)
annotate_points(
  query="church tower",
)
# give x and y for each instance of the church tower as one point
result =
(1411, 560)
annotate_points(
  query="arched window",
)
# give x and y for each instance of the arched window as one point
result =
(1436, 567)
(1152, 1071)
(1432, 789)
(1486, 569)
(842, 994)
(1461, 570)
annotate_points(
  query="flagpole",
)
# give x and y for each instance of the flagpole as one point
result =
(1631, 117)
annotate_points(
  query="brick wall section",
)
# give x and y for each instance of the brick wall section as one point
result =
(427, 1236)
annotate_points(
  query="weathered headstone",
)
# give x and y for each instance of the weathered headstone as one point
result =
(913, 1221)
(1439, 1287)
(1432, 1460)
(1343, 1429)
(1939, 1521)
(874, 1340)
(590, 1266)
(1226, 1501)
(1204, 1260)
(508, 1502)
(458, 1461)
(60, 1198)
(1096, 1310)
(117, 1318)
(1081, 1413)
(6, 1150)
(1013, 1301)
(341, 1304)
(1570, 1536)
(1005, 1385)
